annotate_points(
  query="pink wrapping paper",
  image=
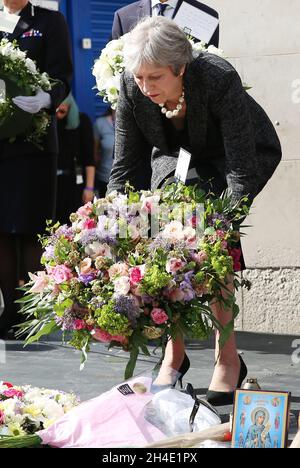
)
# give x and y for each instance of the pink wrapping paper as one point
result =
(110, 420)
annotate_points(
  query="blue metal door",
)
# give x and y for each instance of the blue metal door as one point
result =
(89, 19)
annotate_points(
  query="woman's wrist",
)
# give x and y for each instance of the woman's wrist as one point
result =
(90, 189)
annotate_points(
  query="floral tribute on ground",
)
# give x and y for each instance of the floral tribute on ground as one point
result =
(25, 410)
(21, 76)
(137, 268)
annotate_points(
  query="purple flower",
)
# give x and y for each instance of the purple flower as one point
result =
(188, 277)
(211, 220)
(65, 230)
(127, 306)
(86, 279)
(89, 236)
(67, 321)
(189, 293)
(49, 252)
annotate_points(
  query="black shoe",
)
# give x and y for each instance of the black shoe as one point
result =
(226, 398)
(185, 365)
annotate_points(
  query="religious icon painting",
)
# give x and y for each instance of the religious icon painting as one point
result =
(260, 419)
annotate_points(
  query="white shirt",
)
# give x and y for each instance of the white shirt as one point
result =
(6, 10)
(169, 11)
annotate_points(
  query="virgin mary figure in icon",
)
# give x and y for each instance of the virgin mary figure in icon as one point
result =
(258, 434)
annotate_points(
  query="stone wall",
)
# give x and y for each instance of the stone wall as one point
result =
(261, 40)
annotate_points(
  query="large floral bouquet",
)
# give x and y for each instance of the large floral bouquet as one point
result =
(109, 67)
(24, 410)
(20, 76)
(136, 268)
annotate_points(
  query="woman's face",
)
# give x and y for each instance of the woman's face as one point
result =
(159, 84)
(260, 420)
(62, 111)
(15, 5)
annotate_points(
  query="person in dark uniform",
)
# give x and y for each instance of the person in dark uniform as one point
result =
(76, 150)
(28, 174)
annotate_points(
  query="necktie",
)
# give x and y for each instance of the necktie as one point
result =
(162, 8)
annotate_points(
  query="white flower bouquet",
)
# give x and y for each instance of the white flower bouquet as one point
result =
(19, 76)
(25, 410)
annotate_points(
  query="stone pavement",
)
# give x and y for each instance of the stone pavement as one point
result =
(274, 360)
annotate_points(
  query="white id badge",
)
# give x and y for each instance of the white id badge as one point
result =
(183, 165)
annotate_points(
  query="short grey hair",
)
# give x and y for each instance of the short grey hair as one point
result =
(157, 41)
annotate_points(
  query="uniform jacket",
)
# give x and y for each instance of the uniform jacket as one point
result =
(44, 35)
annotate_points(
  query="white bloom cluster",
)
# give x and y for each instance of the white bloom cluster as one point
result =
(110, 65)
(108, 69)
(21, 406)
(11, 52)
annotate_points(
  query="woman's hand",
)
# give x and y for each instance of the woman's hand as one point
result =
(88, 195)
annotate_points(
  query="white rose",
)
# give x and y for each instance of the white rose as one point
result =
(122, 285)
(30, 65)
(173, 231)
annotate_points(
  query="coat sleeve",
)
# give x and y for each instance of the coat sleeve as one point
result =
(131, 147)
(58, 58)
(117, 30)
(252, 148)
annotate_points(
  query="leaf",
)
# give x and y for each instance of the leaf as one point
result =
(226, 333)
(131, 363)
(84, 355)
(45, 330)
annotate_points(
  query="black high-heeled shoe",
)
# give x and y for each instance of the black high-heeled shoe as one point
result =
(184, 367)
(226, 398)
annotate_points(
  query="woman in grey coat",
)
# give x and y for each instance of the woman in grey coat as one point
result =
(170, 100)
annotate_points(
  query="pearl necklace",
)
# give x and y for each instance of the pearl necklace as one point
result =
(170, 114)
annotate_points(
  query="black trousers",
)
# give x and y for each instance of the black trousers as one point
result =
(20, 254)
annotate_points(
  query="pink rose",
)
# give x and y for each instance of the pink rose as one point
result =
(190, 237)
(136, 274)
(159, 316)
(85, 210)
(221, 234)
(61, 273)
(89, 224)
(174, 264)
(102, 335)
(80, 324)
(105, 337)
(2, 418)
(200, 257)
(224, 244)
(12, 393)
(236, 256)
(150, 204)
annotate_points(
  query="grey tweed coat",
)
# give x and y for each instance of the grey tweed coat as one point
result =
(231, 137)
